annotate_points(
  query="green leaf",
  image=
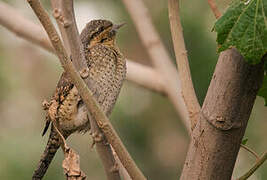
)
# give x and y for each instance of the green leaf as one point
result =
(263, 90)
(244, 26)
(244, 141)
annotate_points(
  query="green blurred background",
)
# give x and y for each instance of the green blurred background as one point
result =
(146, 122)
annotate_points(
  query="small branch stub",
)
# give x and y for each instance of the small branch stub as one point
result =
(45, 105)
(97, 137)
(84, 73)
(115, 168)
(58, 16)
(222, 122)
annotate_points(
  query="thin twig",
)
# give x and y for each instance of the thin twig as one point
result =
(86, 94)
(64, 145)
(142, 75)
(250, 150)
(254, 167)
(158, 55)
(214, 9)
(188, 91)
(63, 11)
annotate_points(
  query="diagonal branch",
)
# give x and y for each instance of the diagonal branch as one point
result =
(145, 76)
(86, 94)
(214, 9)
(158, 55)
(124, 174)
(63, 11)
(188, 91)
(142, 75)
(254, 167)
(22, 27)
(250, 150)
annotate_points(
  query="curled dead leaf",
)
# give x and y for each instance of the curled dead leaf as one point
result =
(71, 166)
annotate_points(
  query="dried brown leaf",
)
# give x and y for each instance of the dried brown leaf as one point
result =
(71, 166)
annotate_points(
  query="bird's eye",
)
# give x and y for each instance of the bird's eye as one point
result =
(104, 39)
(101, 29)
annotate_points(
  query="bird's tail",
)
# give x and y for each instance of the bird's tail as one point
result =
(51, 148)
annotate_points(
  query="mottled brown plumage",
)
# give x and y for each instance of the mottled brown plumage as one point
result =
(107, 69)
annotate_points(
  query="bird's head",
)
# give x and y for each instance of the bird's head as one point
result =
(99, 32)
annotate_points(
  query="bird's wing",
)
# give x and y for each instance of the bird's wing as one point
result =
(103, 74)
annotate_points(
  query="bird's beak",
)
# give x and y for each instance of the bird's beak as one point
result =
(115, 27)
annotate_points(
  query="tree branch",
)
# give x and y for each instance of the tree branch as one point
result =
(27, 30)
(63, 12)
(123, 172)
(145, 76)
(255, 167)
(14, 22)
(86, 94)
(217, 136)
(188, 91)
(250, 150)
(159, 55)
(104, 151)
(214, 9)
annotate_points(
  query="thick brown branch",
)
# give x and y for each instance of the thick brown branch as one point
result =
(159, 55)
(255, 167)
(188, 91)
(86, 94)
(26, 29)
(214, 9)
(216, 138)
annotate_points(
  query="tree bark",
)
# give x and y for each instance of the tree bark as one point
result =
(223, 119)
